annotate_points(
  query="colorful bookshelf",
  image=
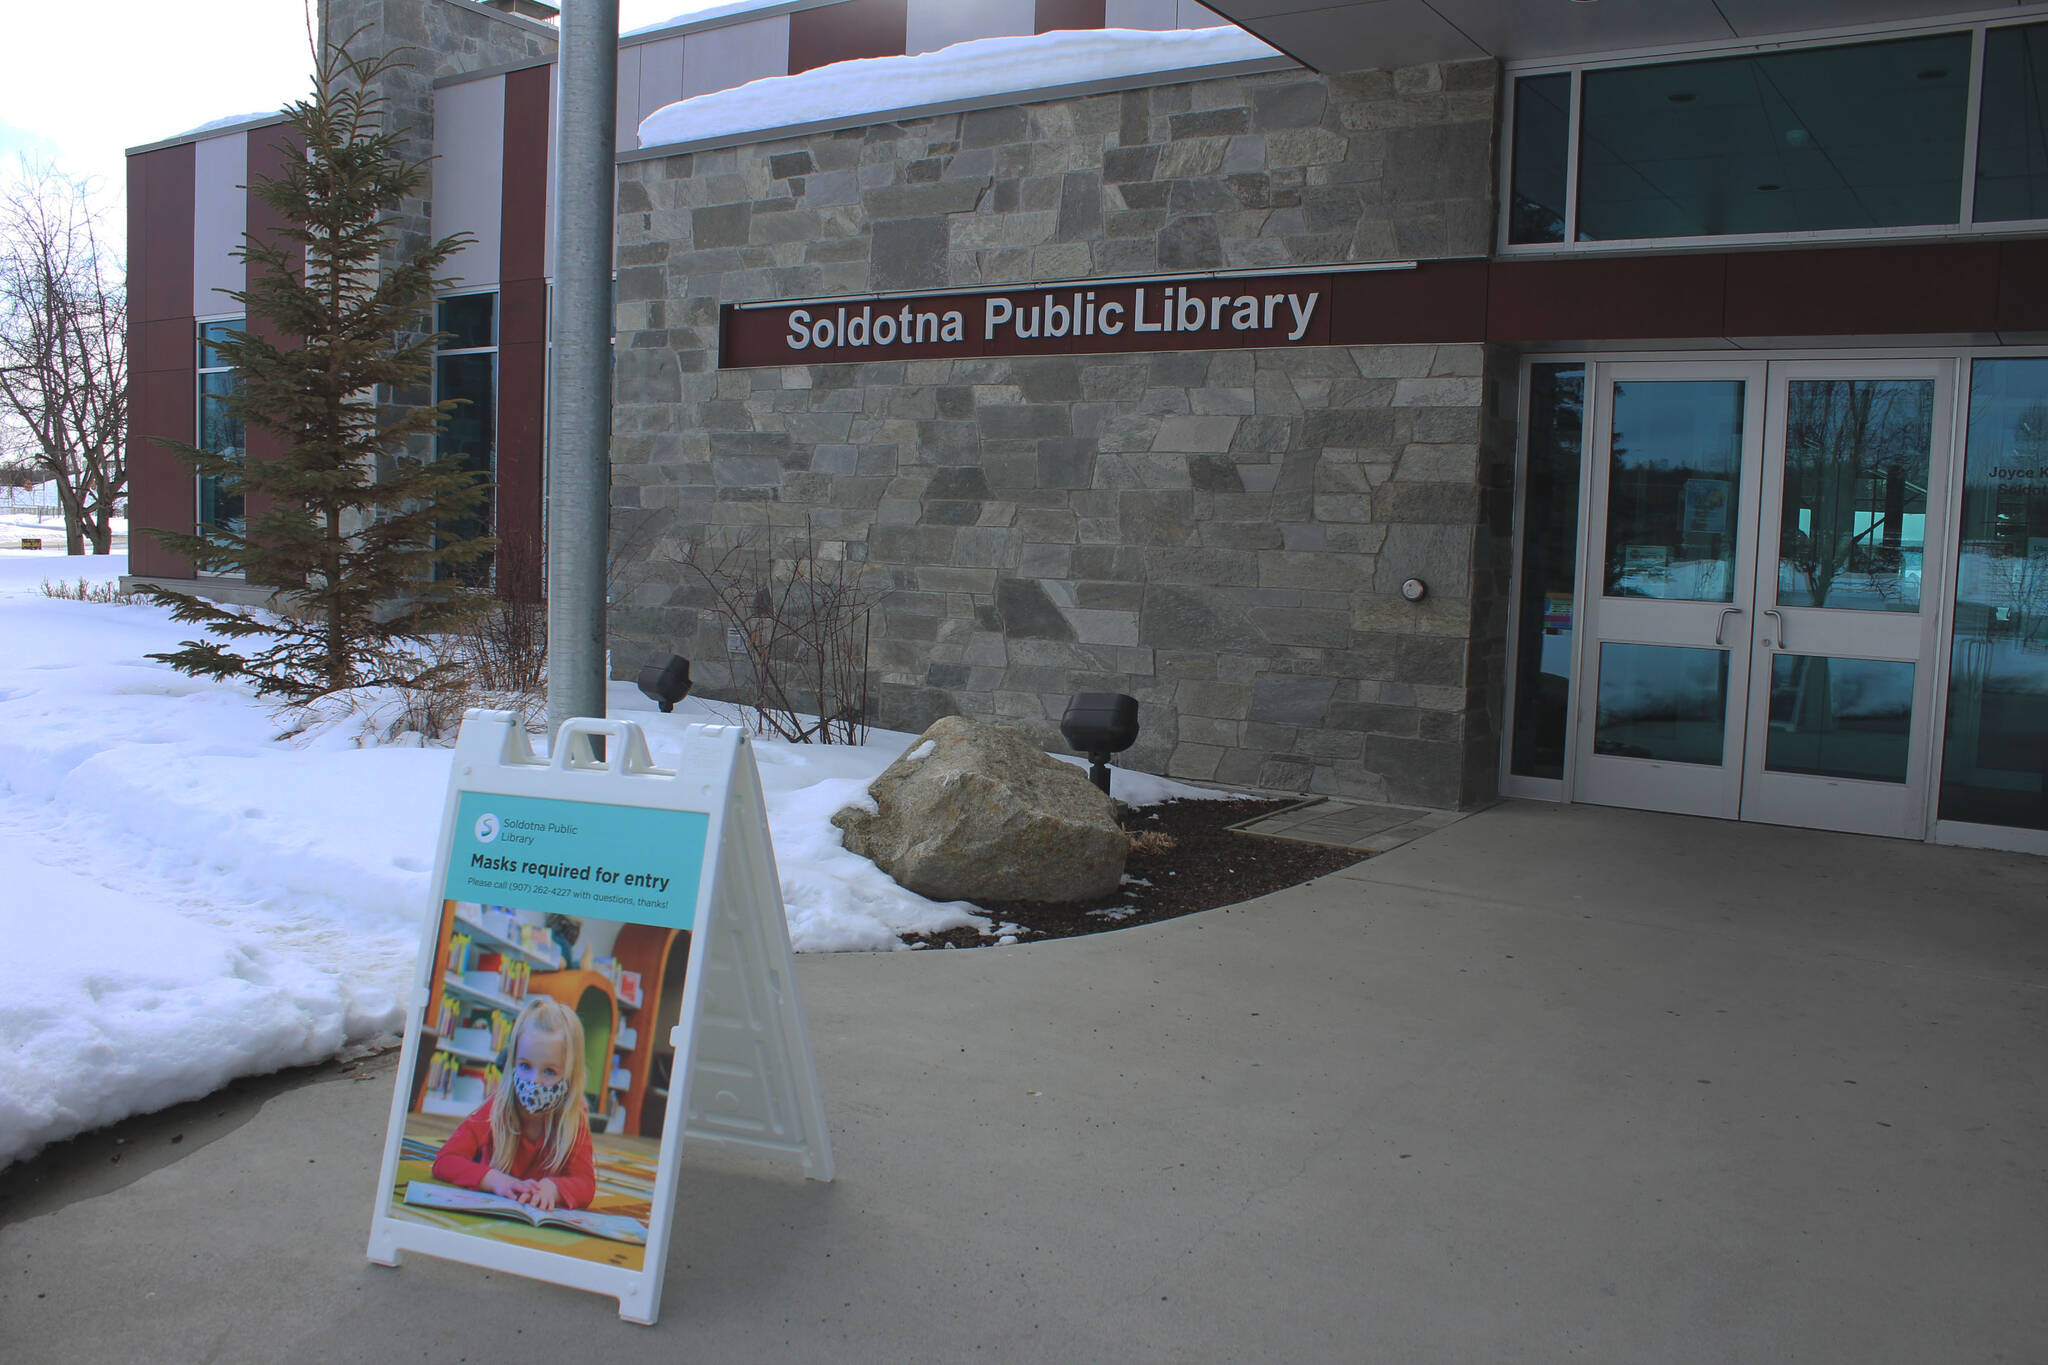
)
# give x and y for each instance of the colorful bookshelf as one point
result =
(653, 959)
(485, 967)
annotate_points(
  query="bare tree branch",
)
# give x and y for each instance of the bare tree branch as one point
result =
(63, 350)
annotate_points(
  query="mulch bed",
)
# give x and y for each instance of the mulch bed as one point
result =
(1205, 866)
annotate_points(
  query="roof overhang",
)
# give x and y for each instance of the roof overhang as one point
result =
(1380, 35)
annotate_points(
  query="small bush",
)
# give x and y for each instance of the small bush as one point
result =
(799, 617)
(85, 590)
(1151, 841)
(499, 661)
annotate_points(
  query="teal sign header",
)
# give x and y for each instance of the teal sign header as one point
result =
(582, 858)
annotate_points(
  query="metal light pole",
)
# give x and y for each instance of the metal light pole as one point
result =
(580, 384)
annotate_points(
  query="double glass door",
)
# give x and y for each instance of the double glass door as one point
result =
(1762, 575)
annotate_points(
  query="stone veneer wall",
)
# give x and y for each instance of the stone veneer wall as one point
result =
(1221, 534)
(445, 38)
(439, 38)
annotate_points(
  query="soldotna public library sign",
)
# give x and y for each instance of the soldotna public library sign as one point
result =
(1211, 312)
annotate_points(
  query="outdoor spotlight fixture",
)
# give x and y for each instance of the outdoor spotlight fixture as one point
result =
(1100, 724)
(668, 684)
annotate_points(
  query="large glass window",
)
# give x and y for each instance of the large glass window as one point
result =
(466, 369)
(220, 431)
(1543, 110)
(2012, 141)
(1841, 138)
(1550, 552)
(1866, 136)
(1995, 762)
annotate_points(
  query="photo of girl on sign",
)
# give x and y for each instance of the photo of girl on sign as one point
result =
(539, 1088)
(530, 1141)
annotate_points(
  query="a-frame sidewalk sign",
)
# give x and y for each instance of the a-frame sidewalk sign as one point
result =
(544, 866)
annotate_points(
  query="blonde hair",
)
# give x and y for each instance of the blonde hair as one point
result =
(565, 1121)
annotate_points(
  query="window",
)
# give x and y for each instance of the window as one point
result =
(220, 431)
(1548, 584)
(1995, 763)
(466, 368)
(1543, 113)
(1842, 139)
(2012, 149)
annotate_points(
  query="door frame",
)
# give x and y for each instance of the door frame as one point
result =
(1645, 784)
(1858, 806)
(1940, 619)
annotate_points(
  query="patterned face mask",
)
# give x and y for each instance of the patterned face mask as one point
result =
(536, 1098)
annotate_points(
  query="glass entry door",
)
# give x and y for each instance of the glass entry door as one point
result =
(1671, 570)
(1764, 550)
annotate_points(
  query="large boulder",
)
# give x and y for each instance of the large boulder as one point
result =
(978, 812)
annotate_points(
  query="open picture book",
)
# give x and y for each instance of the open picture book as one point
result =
(617, 1227)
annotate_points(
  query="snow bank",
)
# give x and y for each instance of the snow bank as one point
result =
(190, 898)
(970, 70)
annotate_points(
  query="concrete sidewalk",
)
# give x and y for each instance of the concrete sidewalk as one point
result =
(1553, 1083)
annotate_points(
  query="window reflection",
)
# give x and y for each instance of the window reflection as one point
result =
(1840, 717)
(1550, 552)
(1995, 763)
(221, 432)
(1662, 702)
(1863, 135)
(466, 371)
(1855, 505)
(1674, 489)
(1542, 146)
(2012, 142)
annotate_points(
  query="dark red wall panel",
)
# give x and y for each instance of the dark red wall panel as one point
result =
(2023, 286)
(1064, 14)
(1609, 299)
(1863, 291)
(162, 363)
(838, 33)
(522, 334)
(1436, 301)
(523, 230)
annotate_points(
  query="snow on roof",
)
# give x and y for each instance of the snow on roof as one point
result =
(230, 121)
(970, 70)
(699, 15)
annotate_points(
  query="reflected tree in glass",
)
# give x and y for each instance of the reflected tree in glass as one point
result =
(1674, 487)
(1995, 759)
(1855, 505)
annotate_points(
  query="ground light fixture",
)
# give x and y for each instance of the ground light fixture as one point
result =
(668, 684)
(1100, 724)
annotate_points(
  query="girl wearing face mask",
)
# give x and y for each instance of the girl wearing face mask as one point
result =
(530, 1140)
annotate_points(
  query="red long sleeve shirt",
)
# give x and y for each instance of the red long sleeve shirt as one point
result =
(466, 1158)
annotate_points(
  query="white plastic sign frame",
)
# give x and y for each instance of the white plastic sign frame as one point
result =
(743, 1076)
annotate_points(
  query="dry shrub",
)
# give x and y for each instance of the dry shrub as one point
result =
(506, 648)
(497, 661)
(799, 613)
(84, 590)
(1151, 841)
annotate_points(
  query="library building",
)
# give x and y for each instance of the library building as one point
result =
(1417, 401)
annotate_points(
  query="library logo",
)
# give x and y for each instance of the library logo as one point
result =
(487, 828)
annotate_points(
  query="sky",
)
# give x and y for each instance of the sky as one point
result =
(81, 81)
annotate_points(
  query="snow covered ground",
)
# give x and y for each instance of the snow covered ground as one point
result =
(34, 514)
(187, 898)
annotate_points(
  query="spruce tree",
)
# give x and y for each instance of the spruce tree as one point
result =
(350, 522)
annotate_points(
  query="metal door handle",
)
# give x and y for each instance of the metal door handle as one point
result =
(1722, 628)
(1774, 614)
